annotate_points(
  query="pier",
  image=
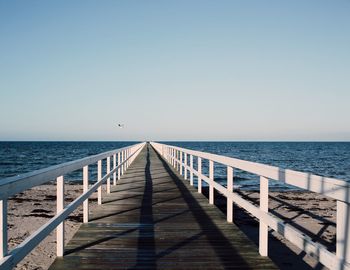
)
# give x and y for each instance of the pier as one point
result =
(152, 219)
(152, 216)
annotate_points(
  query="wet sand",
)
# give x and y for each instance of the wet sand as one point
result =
(311, 213)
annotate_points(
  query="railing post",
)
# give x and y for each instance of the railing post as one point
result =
(173, 157)
(108, 169)
(99, 178)
(264, 206)
(185, 165)
(115, 172)
(127, 159)
(125, 163)
(229, 190)
(85, 189)
(211, 187)
(3, 228)
(342, 231)
(122, 166)
(199, 175)
(118, 165)
(60, 207)
(180, 163)
(191, 170)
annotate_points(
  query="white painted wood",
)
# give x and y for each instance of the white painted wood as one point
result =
(125, 160)
(185, 166)
(123, 163)
(199, 175)
(128, 160)
(60, 207)
(229, 190)
(215, 185)
(191, 170)
(99, 177)
(180, 163)
(19, 252)
(114, 166)
(211, 187)
(3, 228)
(293, 235)
(178, 160)
(343, 230)
(334, 188)
(171, 157)
(13, 185)
(85, 189)
(264, 206)
(118, 165)
(108, 169)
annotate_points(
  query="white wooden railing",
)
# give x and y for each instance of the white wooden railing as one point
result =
(182, 160)
(122, 158)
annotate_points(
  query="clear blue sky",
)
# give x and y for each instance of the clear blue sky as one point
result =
(175, 70)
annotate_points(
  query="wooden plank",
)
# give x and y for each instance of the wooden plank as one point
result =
(154, 219)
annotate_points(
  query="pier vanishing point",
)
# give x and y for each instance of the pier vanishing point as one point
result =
(153, 216)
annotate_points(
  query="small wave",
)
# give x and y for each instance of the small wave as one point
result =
(237, 178)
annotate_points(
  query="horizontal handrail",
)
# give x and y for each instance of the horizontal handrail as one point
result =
(12, 185)
(339, 190)
(331, 187)
(125, 157)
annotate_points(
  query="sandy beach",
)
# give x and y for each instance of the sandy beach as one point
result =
(311, 213)
(29, 210)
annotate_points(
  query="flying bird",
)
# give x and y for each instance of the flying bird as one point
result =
(121, 125)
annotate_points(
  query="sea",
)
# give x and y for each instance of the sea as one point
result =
(329, 159)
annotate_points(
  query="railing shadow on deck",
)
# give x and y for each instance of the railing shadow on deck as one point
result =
(146, 250)
(146, 253)
(280, 254)
(199, 213)
(298, 212)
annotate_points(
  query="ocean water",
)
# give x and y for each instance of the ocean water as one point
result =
(330, 159)
(21, 157)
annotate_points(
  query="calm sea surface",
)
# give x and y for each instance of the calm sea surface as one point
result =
(330, 159)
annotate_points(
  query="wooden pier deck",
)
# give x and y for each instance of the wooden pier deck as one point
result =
(153, 219)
